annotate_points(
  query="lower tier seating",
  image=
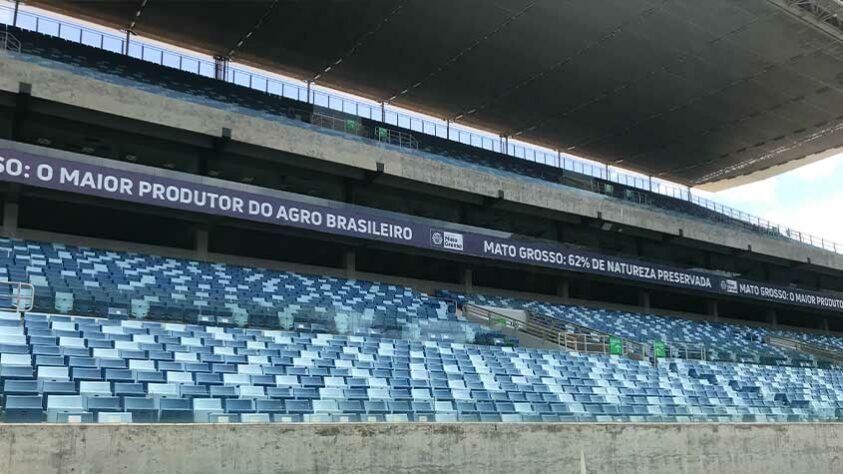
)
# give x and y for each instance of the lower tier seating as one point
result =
(79, 369)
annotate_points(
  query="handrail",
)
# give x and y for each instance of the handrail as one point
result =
(20, 298)
(539, 330)
(585, 341)
(629, 347)
(567, 322)
(685, 350)
(9, 42)
(354, 127)
(816, 350)
(385, 113)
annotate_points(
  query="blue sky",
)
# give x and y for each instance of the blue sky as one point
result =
(808, 199)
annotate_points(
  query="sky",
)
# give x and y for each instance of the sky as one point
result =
(808, 199)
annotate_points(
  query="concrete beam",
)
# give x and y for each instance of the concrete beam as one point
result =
(10, 218)
(201, 238)
(63, 86)
(771, 317)
(713, 309)
(467, 280)
(350, 264)
(644, 299)
(563, 290)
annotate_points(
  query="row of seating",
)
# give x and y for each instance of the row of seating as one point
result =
(100, 283)
(70, 368)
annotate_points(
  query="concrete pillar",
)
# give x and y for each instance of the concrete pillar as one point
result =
(350, 264)
(644, 299)
(771, 317)
(10, 219)
(221, 68)
(714, 310)
(200, 239)
(563, 290)
(466, 279)
(824, 326)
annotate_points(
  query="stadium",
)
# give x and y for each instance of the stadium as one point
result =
(415, 236)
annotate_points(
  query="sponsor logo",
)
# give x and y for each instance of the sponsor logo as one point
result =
(730, 286)
(447, 240)
(436, 238)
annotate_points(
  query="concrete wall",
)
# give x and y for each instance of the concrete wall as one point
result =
(65, 87)
(422, 448)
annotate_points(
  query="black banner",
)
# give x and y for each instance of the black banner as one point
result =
(181, 191)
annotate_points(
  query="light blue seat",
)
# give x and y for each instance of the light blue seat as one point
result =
(174, 410)
(23, 409)
(114, 418)
(65, 405)
(143, 410)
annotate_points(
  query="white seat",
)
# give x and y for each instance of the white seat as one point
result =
(203, 408)
(142, 365)
(101, 353)
(13, 340)
(11, 331)
(185, 357)
(250, 391)
(325, 406)
(62, 326)
(127, 345)
(53, 373)
(16, 360)
(254, 418)
(191, 342)
(106, 417)
(249, 369)
(287, 381)
(163, 390)
(180, 377)
(95, 389)
(236, 379)
(329, 393)
(143, 338)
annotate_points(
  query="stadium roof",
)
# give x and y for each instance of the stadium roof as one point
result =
(691, 91)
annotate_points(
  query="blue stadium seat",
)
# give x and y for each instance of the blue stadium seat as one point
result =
(23, 409)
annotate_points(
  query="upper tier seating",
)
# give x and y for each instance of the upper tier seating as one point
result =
(131, 72)
(723, 341)
(77, 369)
(101, 283)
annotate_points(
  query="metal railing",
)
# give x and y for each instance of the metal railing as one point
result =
(9, 42)
(822, 352)
(571, 337)
(355, 127)
(594, 337)
(494, 318)
(683, 350)
(16, 296)
(385, 113)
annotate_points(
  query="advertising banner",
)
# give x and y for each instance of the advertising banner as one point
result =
(175, 190)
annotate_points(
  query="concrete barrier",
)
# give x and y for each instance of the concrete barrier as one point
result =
(422, 448)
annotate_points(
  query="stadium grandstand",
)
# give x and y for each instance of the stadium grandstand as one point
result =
(415, 236)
